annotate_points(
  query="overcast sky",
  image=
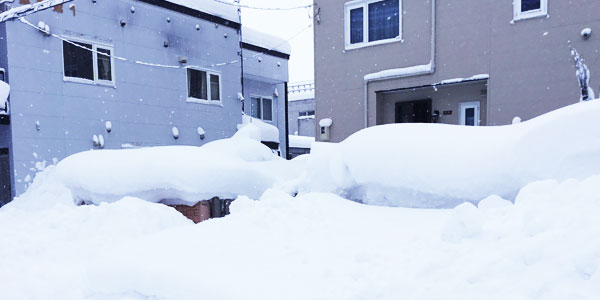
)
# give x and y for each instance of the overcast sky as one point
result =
(286, 24)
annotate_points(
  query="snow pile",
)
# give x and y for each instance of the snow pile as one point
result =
(260, 130)
(433, 165)
(4, 92)
(173, 175)
(297, 141)
(543, 247)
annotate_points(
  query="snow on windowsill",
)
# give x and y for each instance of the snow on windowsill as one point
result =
(298, 141)
(207, 102)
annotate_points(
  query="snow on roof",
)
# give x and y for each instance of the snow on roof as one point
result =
(267, 41)
(400, 72)
(326, 122)
(258, 130)
(298, 141)
(228, 12)
(459, 80)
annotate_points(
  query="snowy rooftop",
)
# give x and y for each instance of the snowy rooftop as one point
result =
(225, 11)
(267, 41)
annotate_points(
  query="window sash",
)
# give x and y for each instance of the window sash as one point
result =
(85, 66)
(203, 86)
(524, 11)
(261, 108)
(371, 34)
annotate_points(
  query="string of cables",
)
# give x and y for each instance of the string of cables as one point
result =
(263, 8)
(138, 62)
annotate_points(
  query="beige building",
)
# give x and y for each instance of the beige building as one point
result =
(468, 62)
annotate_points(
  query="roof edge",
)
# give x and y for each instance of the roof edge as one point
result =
(194, 13)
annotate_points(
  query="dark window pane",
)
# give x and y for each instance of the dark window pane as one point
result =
(255, 108)
(527, 5)
(197, 84)
(356, 25)
(79, 62)
(470, 116)
(104, 67)
(215, 93)
(384, 20)
(267, 109)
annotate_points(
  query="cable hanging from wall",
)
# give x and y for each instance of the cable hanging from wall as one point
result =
(156, 65)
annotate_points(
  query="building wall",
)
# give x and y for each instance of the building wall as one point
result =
(304, 127)
(146, 102)
(531, 71)
(262, 75)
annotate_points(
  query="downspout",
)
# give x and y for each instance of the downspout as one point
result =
(426, 69)
(287, 125)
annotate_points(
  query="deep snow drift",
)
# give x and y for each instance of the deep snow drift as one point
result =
(434, 165)
(314, 246)
(318, 245)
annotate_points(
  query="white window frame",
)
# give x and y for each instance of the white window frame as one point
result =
(365, 6)
(95, 46)
(523, 15)
(463, 106)
(208, 88)
(262, 109)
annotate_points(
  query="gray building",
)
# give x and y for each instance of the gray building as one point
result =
(116, 74)
(301, 109)
(455, 62)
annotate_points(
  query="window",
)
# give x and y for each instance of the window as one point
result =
(83, 65)
(310, 113)
(469, 113)
(524, 9)
(203, 86)
(262, 108)
(372, 22)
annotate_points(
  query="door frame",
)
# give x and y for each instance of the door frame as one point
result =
(466, 105)
(5, 153)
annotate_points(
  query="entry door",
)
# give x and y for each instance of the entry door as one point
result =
(470, 114)
(5, 190)
(413, 111)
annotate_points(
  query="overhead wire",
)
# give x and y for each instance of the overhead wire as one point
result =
(157, 65)
(263, 8)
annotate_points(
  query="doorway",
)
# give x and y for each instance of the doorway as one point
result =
(5, 187)
(469, 113)
(414, 111)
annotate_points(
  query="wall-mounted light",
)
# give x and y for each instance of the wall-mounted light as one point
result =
(175, 132)
(37, 126)
(276, 92)
(95, 140)
(586, 33)
(132, 10)
(101, 141)
(198, 27)
(108, 126)
(168, 19)
(225, 35)
(201, 133)
(182, 60)
(123, 23)
(166, 44)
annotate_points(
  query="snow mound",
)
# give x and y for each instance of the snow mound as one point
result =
(172, 175)
(442, 166)
(545, 246)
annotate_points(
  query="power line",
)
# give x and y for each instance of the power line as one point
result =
(156, 65)
(263, 8)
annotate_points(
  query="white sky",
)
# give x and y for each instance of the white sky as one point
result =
(286, 24)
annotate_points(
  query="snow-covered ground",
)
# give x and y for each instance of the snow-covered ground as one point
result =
(317, 245)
